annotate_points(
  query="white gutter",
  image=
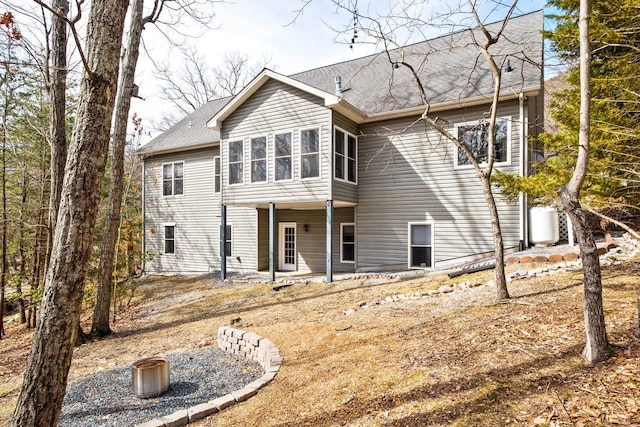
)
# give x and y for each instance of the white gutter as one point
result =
(468, 102)
(144, 155)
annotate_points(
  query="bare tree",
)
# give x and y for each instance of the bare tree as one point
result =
(100, 326)
(49, 361)
(197, 82)
(484, 39)
(597, 348)
(4, 84)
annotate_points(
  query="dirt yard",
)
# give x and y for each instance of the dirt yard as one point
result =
(456, 359)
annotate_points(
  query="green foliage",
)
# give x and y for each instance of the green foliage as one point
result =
(613, 181)
(25, 123)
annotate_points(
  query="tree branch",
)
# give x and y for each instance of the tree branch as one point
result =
(74, 32)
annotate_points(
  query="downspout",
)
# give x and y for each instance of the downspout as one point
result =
(524, 161)
(222, 234)
(329, 206)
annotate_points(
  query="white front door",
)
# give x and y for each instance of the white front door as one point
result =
(287, 246)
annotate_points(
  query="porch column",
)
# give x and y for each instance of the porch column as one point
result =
(272, 242)
(329, 241)
(223, 241)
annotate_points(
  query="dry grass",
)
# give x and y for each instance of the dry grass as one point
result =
(455, 360)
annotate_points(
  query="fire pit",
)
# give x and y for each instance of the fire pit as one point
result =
(150, 376)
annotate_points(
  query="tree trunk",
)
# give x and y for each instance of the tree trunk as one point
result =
(3, 258)
(40, 247)
(45, 378)
(597, 348)
(57, 97)
(638, 324)
(21, 244)
(100, 326)
(501, 279)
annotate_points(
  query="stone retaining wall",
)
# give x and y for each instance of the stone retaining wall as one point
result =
(242, 344)
(250, 346)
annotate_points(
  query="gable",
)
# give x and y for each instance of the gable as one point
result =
(275, 106)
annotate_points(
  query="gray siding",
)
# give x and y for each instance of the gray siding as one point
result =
(244, 249)
(195, 214)
(277, 108)
(344, 191)
(311, 244)
(263, 239)
(410, 177)
(402, 178)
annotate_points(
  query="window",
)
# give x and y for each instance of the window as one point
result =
(282, 156)
(310, 153)
(345, 163)
(347, 243)
(236, 162)
(172, 178)
(169, 239)
(227, 241)
(217, 177)
(420, 246)
(476, 137)
(259, 159)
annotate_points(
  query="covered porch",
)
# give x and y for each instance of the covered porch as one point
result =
(303, 238)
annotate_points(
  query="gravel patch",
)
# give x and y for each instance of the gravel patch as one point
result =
(107, 399)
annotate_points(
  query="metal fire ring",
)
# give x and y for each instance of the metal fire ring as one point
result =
(150, 376)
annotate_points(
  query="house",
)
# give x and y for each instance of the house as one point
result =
(332, 170)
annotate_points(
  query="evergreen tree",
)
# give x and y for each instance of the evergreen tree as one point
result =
(612, 185)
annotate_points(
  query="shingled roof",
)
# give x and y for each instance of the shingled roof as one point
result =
(450, 67)
(189, 133)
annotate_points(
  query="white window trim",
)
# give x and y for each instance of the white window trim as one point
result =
(342, 225)
(265, 159)
(164, 238)
(281, 249)
(219, 174)
(275, 157)
(229, 163)
(472, 123)
(300, 154)
(224, 245)
(346, 156)
(433, 244)
(173, 178)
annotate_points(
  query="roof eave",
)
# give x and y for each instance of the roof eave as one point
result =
(448, 105)
(346, 109)
(144, 155)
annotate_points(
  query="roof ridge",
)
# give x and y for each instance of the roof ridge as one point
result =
(373, 55)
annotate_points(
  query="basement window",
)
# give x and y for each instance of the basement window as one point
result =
(169, 239)
(420, 245)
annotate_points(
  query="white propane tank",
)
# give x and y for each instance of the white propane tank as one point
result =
(543, 226)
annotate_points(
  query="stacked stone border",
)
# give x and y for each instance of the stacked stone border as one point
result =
(625, 248)
(238, 343)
